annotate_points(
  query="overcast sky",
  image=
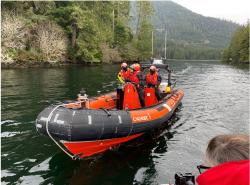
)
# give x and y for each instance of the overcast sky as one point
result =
(235, 10)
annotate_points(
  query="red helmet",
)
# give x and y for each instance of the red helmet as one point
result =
(124, 65)
(137, 67)
(152, 68)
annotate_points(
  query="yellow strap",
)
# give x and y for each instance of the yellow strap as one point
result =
(119, 76)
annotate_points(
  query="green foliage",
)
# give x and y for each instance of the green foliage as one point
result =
(238, 50)
(122, 35)
(32, 38)
(144, 41)
(92, 26)
(144, 29)
(29, 55)
(122, 32)
(87, 24)
(130, 51)
(100, 31)
(177, 50)
(189, 35)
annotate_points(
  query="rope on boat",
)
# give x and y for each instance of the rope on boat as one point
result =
(47, 129)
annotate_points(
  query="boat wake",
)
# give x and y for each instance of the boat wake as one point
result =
(185, 70)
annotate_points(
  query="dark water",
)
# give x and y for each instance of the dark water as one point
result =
(216, 102)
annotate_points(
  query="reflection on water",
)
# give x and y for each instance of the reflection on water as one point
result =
(216, 101)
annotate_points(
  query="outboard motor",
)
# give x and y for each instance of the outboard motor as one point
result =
(83, 97)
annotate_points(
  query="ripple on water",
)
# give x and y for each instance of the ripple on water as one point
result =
(30, 180)
(215, 102)
(139, 176)
(43, 166)
(6, 173)
(185, 70)
(10, 123)
(10, 134)
(25, 161)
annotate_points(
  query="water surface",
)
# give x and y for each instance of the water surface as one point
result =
(216, 102)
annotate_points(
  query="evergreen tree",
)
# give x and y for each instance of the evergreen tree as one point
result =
(144, 29)
(238, 50)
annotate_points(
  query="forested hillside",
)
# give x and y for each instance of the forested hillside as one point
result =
(190, 35)
(84, 31)
(191, 28)
(106, 31)
(238, 50)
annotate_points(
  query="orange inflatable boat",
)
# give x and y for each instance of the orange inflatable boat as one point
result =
(90, 126)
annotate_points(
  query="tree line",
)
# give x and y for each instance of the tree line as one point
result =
(84, 31)
(238, 49)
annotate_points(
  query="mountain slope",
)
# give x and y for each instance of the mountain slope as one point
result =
(191, 28)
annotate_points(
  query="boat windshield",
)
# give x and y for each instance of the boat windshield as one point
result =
(157, 61)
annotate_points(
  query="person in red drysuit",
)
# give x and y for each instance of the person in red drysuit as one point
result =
(136, 77)
(124, 71)
(153, 79)
(226, 161)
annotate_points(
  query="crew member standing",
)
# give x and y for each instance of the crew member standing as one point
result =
(153, 79)
(136, 77)
(124, 73)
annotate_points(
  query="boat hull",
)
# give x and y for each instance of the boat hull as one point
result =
(85, 132)
(89, 148)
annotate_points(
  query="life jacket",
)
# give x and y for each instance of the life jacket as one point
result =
(152, 79)
(133, 77)
(235, 172)
(125, 74)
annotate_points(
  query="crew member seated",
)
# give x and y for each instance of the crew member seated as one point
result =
(153, 79)
(136, 77)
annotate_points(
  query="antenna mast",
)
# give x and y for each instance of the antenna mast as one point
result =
(165, 49)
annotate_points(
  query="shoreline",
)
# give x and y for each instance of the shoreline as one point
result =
(32, 64)
(53, 64)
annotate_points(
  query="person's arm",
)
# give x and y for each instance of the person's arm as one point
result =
(128, 76)
(141, 79)
(159, 79)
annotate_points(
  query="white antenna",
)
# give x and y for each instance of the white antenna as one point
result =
(152, 44)
(159, 29)
(113, 14)
(165, 49)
